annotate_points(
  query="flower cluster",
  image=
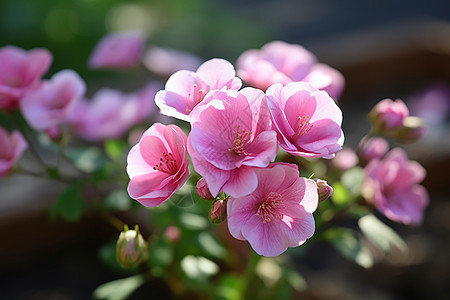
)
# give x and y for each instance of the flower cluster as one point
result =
(233, 141)
(248, 144)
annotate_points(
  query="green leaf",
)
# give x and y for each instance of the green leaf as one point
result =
(211, 246)
(349, 245)
(116, 149)
(341, 196)
(118, 200)
(119, 289)
(295, 280)
(193, 221)
(198, 268)
(230, 287)
(69, 205)
(161, 253)
(87, 159)
(352, 179)
(380, 234)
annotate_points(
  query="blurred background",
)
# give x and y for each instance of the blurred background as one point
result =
(385, 49)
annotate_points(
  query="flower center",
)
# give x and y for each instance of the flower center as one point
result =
(268, 210)
(240, 141)
(302, 127)
(196, 95)
(168, 164)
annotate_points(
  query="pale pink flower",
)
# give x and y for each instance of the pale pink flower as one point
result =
(392, 185)
(307, 120)
(278, 214)
(165, 61)
(158, 165)
(345, 159)
(185, 89)
(230, 134)
(388, 114)
(49, 106)
(280, 62)
(20, 71)
(111, 113)
(326, 78)
(11, 148)
(120, 50)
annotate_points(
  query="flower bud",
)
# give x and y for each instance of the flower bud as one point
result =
(387, 115)
(323, 189)
(131, 249)
(203, 190)
(54, 133)
(413, 128)
(218, 211)
(371, 148)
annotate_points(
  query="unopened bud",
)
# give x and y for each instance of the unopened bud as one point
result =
(203, 190)
(323, 189)
(387, 115)
(218, 211)
(413, 129)
(131, 249)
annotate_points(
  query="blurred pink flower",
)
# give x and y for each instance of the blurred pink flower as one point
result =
(110, 113)
(391, 184)
(230, 134)
(49, 106)
(278, 214)
(307, 120)
(280, 62)
(345, 159)
(157, 165)
(11, 148)
(185, 89)
(120, 50)
(388, 114)
(371, 148)
(20, 71)
(165, 61)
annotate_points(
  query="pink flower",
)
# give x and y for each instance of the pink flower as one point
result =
(20, 71)
(388, 114)
(11, 148)
(307, 120)
(391, 184)
(118, 51)
(110, 113)
(157, 165)
(165, 61)
(185, 89)
(230, 134)
(278, 214)
(49, 106)
(280, 62)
